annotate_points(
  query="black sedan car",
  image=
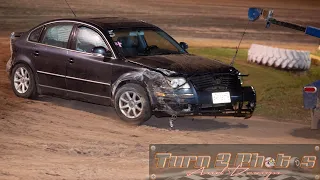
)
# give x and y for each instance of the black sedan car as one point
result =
(129, 64)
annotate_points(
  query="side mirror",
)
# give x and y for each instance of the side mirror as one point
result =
(102, 51)
(184, 45)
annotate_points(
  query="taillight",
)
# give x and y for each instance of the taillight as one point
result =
(310, 89)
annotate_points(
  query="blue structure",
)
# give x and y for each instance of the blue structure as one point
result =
(311, 92)
(311, 100)
(255, 13)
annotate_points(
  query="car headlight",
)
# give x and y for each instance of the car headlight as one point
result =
(179, 83)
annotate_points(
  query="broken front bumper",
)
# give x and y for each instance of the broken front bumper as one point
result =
(186, 102)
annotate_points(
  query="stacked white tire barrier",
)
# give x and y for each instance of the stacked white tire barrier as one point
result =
(279, 58)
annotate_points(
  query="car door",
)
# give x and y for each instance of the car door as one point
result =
(50, 57)
(88, 75)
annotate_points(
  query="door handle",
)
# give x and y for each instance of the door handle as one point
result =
(71, 61)
(36, 53)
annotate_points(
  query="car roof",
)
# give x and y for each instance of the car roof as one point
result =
(111, 22)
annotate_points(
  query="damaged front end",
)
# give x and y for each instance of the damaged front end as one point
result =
(172, 94)
(197, 98)
(158, 87)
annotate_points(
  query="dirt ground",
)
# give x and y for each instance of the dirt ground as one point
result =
(219, 22)
(52, 138)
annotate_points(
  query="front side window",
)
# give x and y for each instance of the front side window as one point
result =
(57, 35)
(145, 42)
(35, 34)
(87, 39)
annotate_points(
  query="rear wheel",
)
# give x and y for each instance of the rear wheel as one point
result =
(23, 82)
(132, 104)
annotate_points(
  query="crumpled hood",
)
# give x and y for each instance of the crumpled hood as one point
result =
(183, 63)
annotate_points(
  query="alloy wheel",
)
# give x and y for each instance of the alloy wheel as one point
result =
(130, 104)
(21, 80)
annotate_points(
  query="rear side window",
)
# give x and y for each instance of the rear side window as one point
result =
(57, 35)
(35, 34)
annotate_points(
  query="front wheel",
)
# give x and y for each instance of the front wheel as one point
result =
(23, 82)
(132, 104)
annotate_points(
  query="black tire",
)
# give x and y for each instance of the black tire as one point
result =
(31, 91)
(145, 102)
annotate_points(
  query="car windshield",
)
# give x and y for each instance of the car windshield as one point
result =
(145, 42)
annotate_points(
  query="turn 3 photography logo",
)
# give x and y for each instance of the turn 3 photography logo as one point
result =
(196, 161)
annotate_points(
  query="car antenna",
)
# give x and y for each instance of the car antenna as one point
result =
(235, 55)
(70, 8)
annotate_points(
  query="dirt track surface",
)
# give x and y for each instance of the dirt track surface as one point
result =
(52, 138)
(213, 20)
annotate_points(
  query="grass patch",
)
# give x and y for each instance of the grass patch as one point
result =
(317, 53)
(279, 93)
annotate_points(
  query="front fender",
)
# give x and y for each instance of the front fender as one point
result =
(152, 82)
(130, 77)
